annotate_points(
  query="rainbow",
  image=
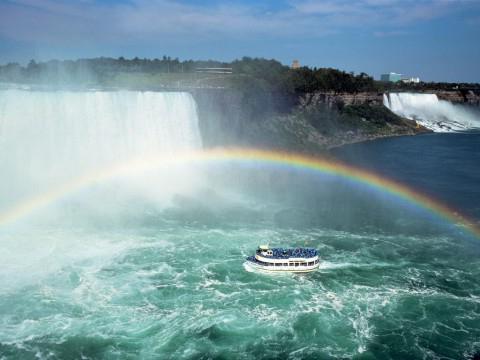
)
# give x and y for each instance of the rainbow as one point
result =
(255, 156)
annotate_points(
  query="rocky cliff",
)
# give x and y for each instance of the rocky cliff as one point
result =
(464, 97)
(332, 99)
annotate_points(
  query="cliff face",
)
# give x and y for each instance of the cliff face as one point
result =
(332, 99)
(463, 97)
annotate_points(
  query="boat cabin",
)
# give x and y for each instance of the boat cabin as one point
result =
(264, 250)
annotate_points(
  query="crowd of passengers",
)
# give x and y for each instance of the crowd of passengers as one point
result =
(280, 253)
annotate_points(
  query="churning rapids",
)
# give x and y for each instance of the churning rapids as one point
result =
(149, 265)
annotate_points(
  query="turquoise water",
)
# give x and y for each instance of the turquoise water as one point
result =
(181, 292)
(165, 279)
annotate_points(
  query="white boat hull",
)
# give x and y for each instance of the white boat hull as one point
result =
(252, 266)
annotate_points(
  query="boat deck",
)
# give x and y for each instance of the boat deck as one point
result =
(281, 253)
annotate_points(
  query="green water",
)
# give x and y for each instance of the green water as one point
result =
(181, 292)
(175, 288)
(165, 279)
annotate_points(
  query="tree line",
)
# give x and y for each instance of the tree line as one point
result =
(264, 74)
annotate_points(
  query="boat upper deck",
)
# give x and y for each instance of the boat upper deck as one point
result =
(281, 253)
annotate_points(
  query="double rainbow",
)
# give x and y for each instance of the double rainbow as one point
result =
(249, 156)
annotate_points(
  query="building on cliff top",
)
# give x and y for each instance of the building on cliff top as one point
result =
(391, 77)
(411, 80)
(295, 64)
(394, 77)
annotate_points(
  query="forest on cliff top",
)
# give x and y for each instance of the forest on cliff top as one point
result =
(265, 74)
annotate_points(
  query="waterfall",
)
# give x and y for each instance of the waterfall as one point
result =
(48, 137)
(429, 111)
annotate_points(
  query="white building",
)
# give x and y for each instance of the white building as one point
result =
(412, 80)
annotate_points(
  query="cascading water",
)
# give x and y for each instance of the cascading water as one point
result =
(429, 111)
(49, 137)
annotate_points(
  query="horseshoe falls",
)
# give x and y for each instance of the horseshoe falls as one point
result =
(434, 114)
(72, 132)
(48, 138)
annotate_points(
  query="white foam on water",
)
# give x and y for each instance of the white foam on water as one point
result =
(431, 112)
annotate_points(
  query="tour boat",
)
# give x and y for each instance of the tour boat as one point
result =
(298, 260)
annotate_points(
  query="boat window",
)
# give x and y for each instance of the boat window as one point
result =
(285, 264)
(291, 264)
(310, 263)
(316, 261)
(278, 264)
(296, 264)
